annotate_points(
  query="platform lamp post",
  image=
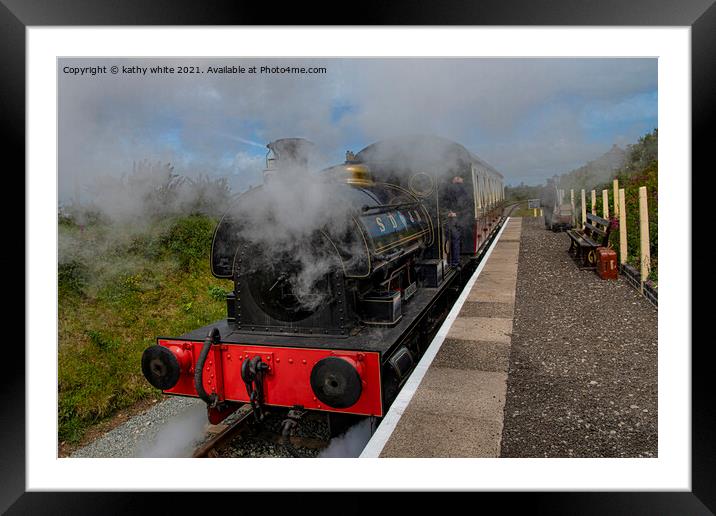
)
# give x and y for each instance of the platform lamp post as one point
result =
(594, 202)
(574, 215)
(584, 208)
(605, 204)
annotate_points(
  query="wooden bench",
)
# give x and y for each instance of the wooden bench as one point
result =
(584, 243)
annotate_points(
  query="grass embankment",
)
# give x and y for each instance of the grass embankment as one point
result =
(648, 177)
(640, 168)
(120, 288)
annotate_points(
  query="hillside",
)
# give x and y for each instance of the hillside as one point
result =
(595, 172)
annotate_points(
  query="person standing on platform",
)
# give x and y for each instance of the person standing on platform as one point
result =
(457, 204)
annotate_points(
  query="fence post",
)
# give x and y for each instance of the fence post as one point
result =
(644, 236)
(574, 214)
(615, 183)
(622, 228)
(594, 202)
(605, 203)
(584, 207)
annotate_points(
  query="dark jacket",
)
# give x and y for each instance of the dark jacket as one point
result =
(457, 198)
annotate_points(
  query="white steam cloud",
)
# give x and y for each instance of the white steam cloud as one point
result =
(178, 436)
(350, 444)
(287, 224)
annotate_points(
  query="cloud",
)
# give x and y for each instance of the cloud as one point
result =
(529, 118)
(642, 106)
(247, 169)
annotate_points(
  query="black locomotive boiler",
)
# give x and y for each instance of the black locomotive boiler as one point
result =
(341, 280)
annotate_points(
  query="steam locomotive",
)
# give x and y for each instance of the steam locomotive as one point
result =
(334, 303)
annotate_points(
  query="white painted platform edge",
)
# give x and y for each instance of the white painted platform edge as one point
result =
(390, 421)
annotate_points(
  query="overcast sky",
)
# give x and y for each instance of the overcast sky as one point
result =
(529, 118)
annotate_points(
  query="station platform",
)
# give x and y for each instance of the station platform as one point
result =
(453, 403)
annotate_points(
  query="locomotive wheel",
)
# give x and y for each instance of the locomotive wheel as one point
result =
(160, 367)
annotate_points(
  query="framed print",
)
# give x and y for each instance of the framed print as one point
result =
(159, 133)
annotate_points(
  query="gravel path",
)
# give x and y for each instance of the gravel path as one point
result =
(583, 365)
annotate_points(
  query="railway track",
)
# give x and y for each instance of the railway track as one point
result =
(211, 447)
(244, 432)
(511, 207)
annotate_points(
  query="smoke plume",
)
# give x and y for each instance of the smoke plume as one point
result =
(288, 222)
(351, 443)
(178, 436)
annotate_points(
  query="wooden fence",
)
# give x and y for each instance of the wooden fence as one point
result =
(619, 212)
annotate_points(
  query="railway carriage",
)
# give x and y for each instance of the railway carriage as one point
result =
(380, 284)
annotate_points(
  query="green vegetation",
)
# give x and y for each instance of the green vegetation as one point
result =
(634, 167)
(522, 192)
(133, 266)
(641, 168)
(524, 212)
(120, 287)
(189, 240)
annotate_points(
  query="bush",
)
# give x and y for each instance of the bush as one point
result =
(145, 245)
(65, 219)
(631, 184)
(189, 240)
(218, 293)
(72, 277)
(647, 177)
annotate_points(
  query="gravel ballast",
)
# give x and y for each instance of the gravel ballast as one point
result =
(583, 364)
(177, 426)
(171, 428)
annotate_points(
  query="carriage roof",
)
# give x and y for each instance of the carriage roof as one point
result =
(419, 151)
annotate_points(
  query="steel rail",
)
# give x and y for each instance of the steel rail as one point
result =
(224, 436)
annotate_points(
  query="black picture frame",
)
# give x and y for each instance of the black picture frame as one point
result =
(700, 15)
